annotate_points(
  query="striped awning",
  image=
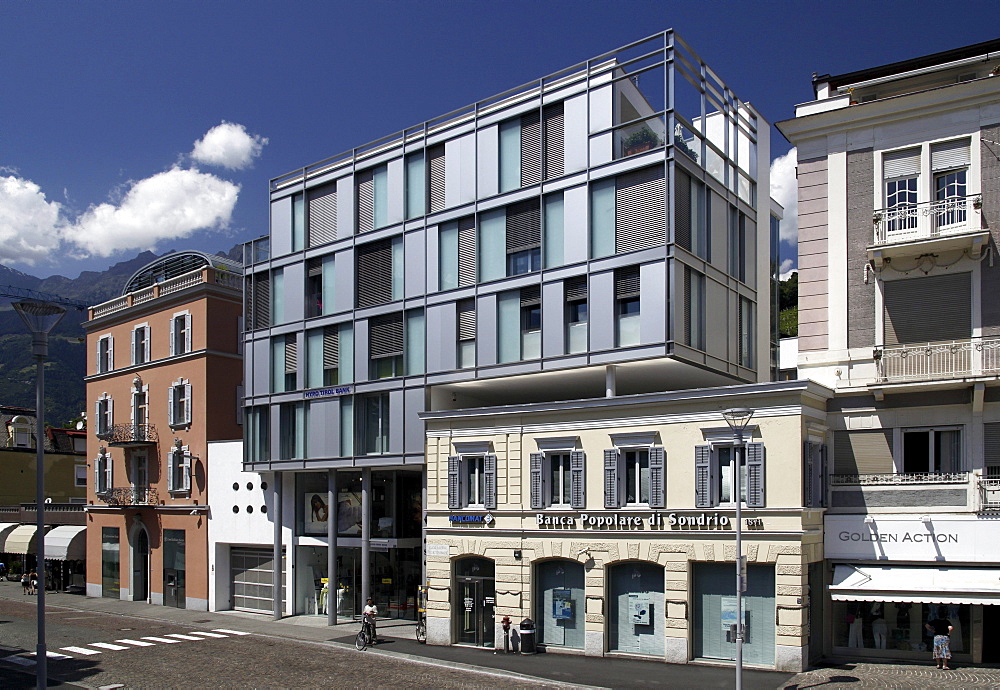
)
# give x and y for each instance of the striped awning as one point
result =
(66, 543)
(21, 540)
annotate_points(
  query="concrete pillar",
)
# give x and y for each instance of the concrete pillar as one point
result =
(331, 552)
(277, 575)
(366, 534)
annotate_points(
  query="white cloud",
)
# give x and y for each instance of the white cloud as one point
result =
(169, 205)
(785, 190)
(228, 145)
(30, 225)
(787, 269)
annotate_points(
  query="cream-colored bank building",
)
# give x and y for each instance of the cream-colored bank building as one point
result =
(610, 523)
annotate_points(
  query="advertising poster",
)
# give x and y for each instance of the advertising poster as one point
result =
(728, 618)
(349, 513)
(316, 514)
(562, 604)
(638, 604)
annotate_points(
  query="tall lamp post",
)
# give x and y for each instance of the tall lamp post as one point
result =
(737, 418)
(40, 318)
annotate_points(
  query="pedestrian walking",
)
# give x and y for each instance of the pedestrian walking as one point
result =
(25, 583)
(941, 627)
(34, 582)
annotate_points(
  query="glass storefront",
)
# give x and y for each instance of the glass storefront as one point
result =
(561, 614)
(473, 611)
(716, 612)
(636, 617)
(110, 563)
(395, 504)
(897, 629)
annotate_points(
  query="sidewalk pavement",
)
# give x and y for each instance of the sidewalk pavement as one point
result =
(397, 640)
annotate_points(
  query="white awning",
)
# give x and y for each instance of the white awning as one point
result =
(66, 543)
(21, 540)
(5, 529)
(915, 585)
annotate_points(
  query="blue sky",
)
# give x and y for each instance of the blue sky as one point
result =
(103, 102)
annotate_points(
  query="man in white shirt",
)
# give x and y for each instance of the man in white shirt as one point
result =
(369, 613)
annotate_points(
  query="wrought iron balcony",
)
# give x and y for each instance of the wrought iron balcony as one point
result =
(939, 360)
(899, 478)
(131, 496)
(126, 435)
(989, 494)
(928, 220)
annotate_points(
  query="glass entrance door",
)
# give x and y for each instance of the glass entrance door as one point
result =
(472, 611)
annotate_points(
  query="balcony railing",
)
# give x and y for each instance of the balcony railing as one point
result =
(989, 494)
(205, 274)
(131, 496)
(938, 360)
(901, 478)
(132, 435)
(927, 220)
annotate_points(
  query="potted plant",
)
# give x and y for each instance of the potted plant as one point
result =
(14, 574)
(643, 139)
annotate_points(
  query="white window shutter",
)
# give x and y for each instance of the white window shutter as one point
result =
(187, 403)
(98, 475)
(171, 469)
(111, 353)
(99, 364)
(132, 349)
(186, 470)
(109, 410)
(187, 333)
(146, 343)
(98, 417)
(173, 335)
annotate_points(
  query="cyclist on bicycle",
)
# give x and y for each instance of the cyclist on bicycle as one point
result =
(369, 613)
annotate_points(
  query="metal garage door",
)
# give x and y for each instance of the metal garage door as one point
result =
(252, 576)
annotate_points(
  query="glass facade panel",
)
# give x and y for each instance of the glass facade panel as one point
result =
(110, 563)
(380, 181)
(416, 339)
(602, 218)
(636, 617)
(561, 604)
(277, 297)
(715, 602)
(510, 155)
(552, 242)
(298, 222)
(448, 256)
(509, 326)
(416, 186)
(492, 245)
(897, 627)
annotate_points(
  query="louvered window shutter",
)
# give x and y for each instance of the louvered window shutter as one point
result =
(146, 343)
(682, 208)
(366, 200)
(99, 416)
(454, 483)
(949, 155)
(186, 471)
(187, 332)
(612, 493)
(524, 227)
(930, 309)
(466, 251)
(331, 347)
(808, 475)
(901, 164)
(100, 360)
(109, 409)
(657, 487)
(640, 210)
(188, 403)
(862, 452)
(262, 297)
(386, 336)
(688, 334)
(172, 405)
(436, 174)
(175, 326)
(554, 140)
(578, 479)
(627, 282)
(755, 475)
(490, 482)
(703, 477)
(323, 215)
(111, 353)
(172, 469)
(991, 448)
(467, 320)
(108, 472)
(374, 273)
(135, 359)
(531, 149)
(822, 473)
(576, 289)
(99, 475)
(537, 497)
(291, 354)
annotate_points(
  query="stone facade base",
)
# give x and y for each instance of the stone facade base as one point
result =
(195, 604)
(94, 590)
(790, 659)
(676, 650)
(438, 630)
(594, 643)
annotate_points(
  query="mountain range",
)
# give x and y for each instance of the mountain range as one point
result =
(65, 395)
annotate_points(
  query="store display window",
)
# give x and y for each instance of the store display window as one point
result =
(561, 616)
(897, 627)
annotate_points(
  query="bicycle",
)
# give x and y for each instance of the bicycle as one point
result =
(365, 635)
(421, 630)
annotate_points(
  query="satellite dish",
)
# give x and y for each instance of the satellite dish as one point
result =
(80, 425)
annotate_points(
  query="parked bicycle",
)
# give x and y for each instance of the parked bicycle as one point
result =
(366, 636)
(421, 630)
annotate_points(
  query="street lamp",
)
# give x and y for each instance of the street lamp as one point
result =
(40, 318)
(737, 418)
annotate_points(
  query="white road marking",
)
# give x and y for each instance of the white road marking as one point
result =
(80, 650)
(183, 637)
(162, 639)
(207, 634)
(232, 632)
(137, 643)
(15, 659)
(107, 645)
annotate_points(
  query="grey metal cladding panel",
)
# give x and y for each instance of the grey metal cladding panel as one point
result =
(576, 224)
(414, 264)
(281, 226)
(361, 350)
(990, 280)
(720, 233)
(486, 330)
(860, 205)
(394, 210)
(441, 337)
(575, 133)
(652, 302)
(413, 426)
(343, 275)
(601, 302)
(397, 421)
(295, 282)
(894, 498)
(274, 421)
(717, 320)
(261, 367)
(553, 320)
(323, 427)
(460, 170)
(467, 193)
(432, 272)
(345, 206)
(488, 160)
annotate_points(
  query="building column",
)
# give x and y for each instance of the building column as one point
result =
(366, 534)
(276, 577)
(610, 381)
(331, 551)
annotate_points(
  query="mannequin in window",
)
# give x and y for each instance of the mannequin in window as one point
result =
(880, 630)
(855, 622)
(956, 634)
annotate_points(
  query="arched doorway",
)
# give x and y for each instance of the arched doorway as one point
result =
(472, 607)
(140, 564)
(559, 608)
(636, 617)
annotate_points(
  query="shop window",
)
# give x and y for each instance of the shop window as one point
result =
(715, 467)
(895, 629)
(179, 470)
(105, 354)
(472, 481)
(636, 618)
(179, 403)
(110, 562)
(558, 479)
(102, 473)
(180, 334)
(374, 423)
(560, 609)
(140, 344)
(932, 451)
(634, 476)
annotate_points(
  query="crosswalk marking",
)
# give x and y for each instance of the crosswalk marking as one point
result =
(137, 643)
(107, 645)
(15, 659)
(208, 634)
(80, 650)
(232, 632)
(183, 637)
(162, 639)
